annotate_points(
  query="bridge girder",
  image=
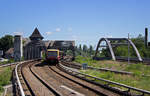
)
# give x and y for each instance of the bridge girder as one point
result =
(110, 46)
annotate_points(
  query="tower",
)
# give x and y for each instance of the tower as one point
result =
(17, 47)
(34, 48)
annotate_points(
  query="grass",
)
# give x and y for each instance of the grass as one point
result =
(134, 81)
(5, 77)
(140, 71)
(137, 69)
(9, 61)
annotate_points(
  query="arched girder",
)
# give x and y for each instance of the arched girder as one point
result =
(135, 49)
(109, 46)
(111, 49)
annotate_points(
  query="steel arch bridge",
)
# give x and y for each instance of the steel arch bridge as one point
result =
(113, 42)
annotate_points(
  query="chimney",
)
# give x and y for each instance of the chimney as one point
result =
(146, 37)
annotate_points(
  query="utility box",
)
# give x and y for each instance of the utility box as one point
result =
(84, 66)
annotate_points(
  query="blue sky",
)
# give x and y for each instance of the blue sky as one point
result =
(85, 21)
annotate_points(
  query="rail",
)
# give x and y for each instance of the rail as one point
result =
(78, 66)
(107, 81)
(18, 80)
(9, 64)
(57, 93)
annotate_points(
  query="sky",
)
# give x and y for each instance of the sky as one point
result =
(85, 21)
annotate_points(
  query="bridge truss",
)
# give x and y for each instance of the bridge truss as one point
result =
(113, 42)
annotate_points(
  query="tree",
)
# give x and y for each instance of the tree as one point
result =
(80, 47)
(105, 52)
(139, 41)
(6, 42)
(91, 50)
(85, 48)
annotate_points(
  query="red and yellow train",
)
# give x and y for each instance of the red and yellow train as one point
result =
(53, 56)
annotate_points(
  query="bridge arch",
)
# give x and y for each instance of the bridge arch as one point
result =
(109, 45)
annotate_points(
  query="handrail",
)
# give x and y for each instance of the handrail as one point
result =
(18, 81)
(108, 81)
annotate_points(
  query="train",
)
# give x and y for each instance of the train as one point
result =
(53, 56)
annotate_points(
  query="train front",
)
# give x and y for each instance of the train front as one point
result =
(52, 56)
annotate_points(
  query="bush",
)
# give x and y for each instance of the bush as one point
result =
(1, 89)
(5, 77)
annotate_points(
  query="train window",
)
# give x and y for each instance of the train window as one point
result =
(52, 53)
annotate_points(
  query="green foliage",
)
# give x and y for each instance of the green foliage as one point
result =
(22, 58)
(85, 48)
(69, 52)
(121, 51)
(85, 51)
(140, 78)
(134, 67)
(1, 89)
(87, 60)
(43, 55)
(6, 42)
(105, 53)
(5, 77)
(9, 61)
(80, 47)
(23, 42)
(139, 41)
(135, 81)
(90, 50)
(137, 69)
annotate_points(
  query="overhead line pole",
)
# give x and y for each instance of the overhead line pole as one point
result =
(128, 49)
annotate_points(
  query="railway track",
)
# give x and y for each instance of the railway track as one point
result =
(92, 90)
(32, 83)
(39, 79)
(110, 85)
(78, 66)
(68, 85)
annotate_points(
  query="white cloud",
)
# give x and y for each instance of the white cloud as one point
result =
(48, 33)
(58, 30)
(18, 33)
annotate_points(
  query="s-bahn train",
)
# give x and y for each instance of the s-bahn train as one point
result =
(53, 56)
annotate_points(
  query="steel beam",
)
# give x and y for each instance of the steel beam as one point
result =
(110, 45)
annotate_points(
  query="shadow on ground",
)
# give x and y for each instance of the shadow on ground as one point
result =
(44, 63)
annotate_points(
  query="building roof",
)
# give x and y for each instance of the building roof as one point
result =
(36, 34)
(10, 51)
(46, 42)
